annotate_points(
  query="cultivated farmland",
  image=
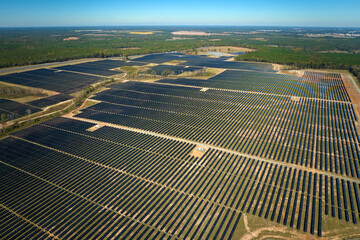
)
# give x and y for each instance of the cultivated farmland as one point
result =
(244, 151)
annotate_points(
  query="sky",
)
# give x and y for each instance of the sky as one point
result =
(320, 13)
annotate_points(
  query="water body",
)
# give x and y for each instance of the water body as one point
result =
(220, 54)
(217, 53)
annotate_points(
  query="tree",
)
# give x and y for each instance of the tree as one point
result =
(164, 73)
(28, 111)
(3, 119)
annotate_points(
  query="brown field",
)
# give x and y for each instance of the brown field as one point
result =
(71, 38)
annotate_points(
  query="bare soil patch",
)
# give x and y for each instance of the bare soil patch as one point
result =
(295, 99)
(95, 127)
(198, 151)
(298, 73)
(277, 67)
(71, 38)
(230, 59)
(334, 51)
(136, 56)
(150, 65)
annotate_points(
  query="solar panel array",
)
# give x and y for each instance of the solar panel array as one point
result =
(51, 79)
(290, 160)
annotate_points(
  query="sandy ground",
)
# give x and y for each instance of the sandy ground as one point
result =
(95, 127)
(258, 233)
(299, 73)
(150, 65)
(199, 151)
(71, 38)
(230, 59)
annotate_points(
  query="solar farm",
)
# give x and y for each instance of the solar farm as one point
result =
(175, 70)
(15, 108)
(64, 82)
(248, 153)
(50, 79)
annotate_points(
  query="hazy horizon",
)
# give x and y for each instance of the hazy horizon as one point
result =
(39, 13)
(181, 25)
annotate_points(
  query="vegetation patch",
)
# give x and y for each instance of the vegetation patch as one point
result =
(20, 93)
(225, 49)
(299, 58)
(204, 73)
(142, 33)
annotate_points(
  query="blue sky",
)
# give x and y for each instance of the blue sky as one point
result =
(343, 13)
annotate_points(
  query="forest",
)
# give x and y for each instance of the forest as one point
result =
(291, 46)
